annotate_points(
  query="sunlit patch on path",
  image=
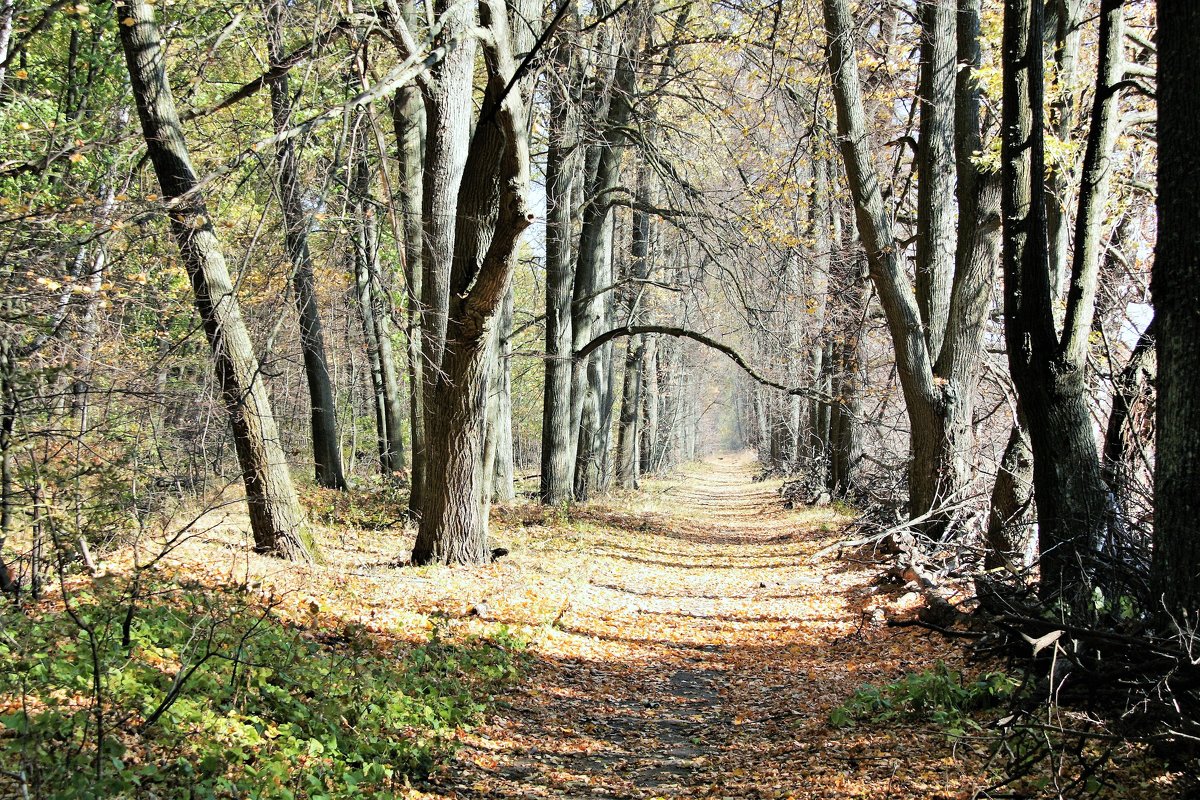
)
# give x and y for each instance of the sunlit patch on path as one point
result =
(696, 651)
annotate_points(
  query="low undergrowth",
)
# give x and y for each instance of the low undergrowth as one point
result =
(204, 692)
(939, 695)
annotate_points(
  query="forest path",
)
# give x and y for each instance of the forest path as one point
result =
(696, 651)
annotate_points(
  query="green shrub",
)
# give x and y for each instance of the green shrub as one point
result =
(213, 696)
(938, 695)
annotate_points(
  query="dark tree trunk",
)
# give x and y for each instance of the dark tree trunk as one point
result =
(275, 517)
(1072, 500)
(1127, 438)
(1176, 288)
(327, 451)
(937, 385)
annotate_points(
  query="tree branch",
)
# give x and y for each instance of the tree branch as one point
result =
(274, 72)
(684, 333)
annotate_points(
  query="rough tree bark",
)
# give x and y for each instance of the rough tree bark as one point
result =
(408, 123)
(1132, 405)
(275, 517)
(477, 186)
(1176, 289)
(590, 383)
(1048, 370)
(937, 385)
(558, 457)
(936, 234)
(1009, 530)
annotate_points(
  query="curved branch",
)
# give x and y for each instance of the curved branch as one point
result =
(684, 333)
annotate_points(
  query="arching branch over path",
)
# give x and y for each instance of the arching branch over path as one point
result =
(707, 341)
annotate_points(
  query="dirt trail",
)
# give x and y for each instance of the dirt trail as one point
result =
(696, 652)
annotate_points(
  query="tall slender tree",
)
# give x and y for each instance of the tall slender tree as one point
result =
(327, 451)
(275, 517)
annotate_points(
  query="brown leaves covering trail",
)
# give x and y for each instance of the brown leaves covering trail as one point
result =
(695, 652)
(685, 644)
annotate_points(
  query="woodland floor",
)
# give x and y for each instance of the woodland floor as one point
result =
(684, 642)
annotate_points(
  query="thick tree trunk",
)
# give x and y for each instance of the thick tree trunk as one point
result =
(1176, 288)
(454, 515)
(492, 212)
(275, 516)
(448, 106)
(327, 452)
(924, 399)
(1072, 500)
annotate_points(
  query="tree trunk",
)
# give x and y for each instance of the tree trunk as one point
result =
(648, 431)
(454, 515)
(1009, 528)
(1048, 372)
(376, 305)
(8, 10)
(1125, 438)
(1176, 289)
(935, 168)
(408, 122)
(558, 456)
(847, 366)
(327, 452)
(926, 401)
(275, 516)
(492, 211)
(628, 461)
(1066, 17)
(500, 415)
(591, 381)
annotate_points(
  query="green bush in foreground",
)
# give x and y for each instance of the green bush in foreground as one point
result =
(209, 694)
